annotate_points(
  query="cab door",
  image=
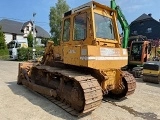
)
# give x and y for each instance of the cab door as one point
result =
(78, 35)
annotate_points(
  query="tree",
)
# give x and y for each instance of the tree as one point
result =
(2, 40)
(55, 18)
(30, 39)
(44, 41)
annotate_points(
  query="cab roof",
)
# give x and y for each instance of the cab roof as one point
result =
(87, 5)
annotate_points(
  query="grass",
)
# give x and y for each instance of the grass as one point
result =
(4, 57)
(4, 54)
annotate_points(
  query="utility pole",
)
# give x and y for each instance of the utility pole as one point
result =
(34, 37)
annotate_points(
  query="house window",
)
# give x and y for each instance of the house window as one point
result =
(141, 23)
(149, 30)
(27, 28)
(13, 36)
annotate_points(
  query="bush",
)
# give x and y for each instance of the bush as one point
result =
(39, 51)
(4, 52)
(25, 54)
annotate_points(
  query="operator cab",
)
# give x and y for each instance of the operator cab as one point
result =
(93, 24)
(140, 51)
(90, 34)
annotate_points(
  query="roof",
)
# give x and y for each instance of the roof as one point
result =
(10, 26)
(143, 17)
(14, 27)
(41, 32)
(26, 23)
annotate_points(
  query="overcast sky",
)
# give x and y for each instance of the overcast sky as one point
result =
(22, 10)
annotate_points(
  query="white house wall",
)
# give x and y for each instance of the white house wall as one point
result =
(8, 37)
(20, 37)
(38, 40)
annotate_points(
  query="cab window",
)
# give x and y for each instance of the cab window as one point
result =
(104, 27)
(80, 26)
(66, 30)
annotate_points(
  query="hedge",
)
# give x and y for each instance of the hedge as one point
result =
(25, 54)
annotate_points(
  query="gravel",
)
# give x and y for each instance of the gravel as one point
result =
(19, 103)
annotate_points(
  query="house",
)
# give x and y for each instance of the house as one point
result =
(17, 30)
(147, 26)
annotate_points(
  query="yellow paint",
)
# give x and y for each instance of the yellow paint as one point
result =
(151, 72)
(113, 79)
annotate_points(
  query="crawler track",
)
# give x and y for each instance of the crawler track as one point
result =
(77, 93)
(131, 82)
(90, 96)
(126, 88)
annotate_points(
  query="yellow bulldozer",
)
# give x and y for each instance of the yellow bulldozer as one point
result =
(85, 66)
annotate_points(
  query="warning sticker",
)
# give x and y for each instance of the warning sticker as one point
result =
(109, 52)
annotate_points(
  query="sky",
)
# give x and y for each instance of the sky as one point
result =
(22, 10)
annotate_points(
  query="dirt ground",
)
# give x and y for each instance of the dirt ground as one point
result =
(19, 103)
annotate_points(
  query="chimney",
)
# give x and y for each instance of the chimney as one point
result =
(150, 14)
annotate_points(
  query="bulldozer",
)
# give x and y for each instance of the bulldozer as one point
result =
(85, 66)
